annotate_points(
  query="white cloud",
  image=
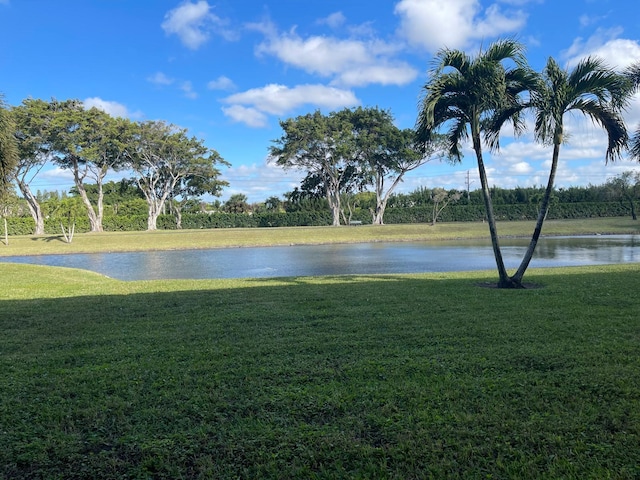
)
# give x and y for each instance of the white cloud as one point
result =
(187, 88)
(252, 106)
(57, 175)
(160, 78)
(381, 74)
(618, 52)
(435, 24)
(250, 116)
(114, 109)
(193, 23)
(261, 181)
(280, 99)
(334, 20)
(221, 83)
(343, 59)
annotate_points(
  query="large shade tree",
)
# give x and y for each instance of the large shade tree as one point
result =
(165, 160)
(202, 179)
(32, 117)
(8, 146)
(384, 153)
(461, 94)
(591, 89)
(320, 145)
(90, 143)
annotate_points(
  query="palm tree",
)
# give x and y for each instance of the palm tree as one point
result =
(590, 88)
(461, 95)
(633, 75)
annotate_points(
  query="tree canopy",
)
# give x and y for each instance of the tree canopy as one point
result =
(170, 163)
(8, 146)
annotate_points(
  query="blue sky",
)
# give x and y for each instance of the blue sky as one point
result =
(229, 70)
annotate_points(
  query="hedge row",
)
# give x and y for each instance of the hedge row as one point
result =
(472, 213)
(123, 223)
(455, 213)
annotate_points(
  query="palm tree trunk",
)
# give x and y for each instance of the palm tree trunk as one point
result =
(504, 281)
(542, 215)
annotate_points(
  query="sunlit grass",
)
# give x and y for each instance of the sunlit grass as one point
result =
(384, 376)
(245, 237)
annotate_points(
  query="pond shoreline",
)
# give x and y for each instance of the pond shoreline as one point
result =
(361, 258)
(171, 240)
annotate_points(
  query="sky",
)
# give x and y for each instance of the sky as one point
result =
(230, 70)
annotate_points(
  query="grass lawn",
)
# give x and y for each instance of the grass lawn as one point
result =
(385, 376)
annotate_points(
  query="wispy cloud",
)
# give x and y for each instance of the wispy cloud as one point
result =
(193, 23)
(221, 83)
(187, 89)
(160, 78)
(334, 20)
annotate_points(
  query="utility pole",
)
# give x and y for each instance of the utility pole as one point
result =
(468, 187)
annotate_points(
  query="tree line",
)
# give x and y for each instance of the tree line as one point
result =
(125, 207)
(167, 164)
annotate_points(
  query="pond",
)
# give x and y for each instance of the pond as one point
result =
(344, 259)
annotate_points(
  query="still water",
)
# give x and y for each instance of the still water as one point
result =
(368, 258)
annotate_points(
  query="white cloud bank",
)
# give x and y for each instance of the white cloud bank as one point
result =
(435, 24)
(347, 62)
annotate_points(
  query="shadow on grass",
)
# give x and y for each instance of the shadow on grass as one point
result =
(49, 238)
(333, 377)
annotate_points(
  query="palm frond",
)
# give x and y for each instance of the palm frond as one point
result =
(633, 75)
(448, 58)
(592, 78)
(609, 119)
(634, 145)
(456, 133)
(506, 49)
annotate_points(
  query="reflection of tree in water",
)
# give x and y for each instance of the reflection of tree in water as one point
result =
(600, 249)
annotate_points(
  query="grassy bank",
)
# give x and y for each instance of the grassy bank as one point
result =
(247, 237)
(390, 376)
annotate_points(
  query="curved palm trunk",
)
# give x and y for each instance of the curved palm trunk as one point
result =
(542, 214)
(505, 281)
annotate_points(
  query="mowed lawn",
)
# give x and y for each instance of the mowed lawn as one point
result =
(385, 376)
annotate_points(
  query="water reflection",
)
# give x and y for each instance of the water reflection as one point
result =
(368, 258)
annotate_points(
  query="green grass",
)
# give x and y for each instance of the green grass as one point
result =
(246, 237)
(385, 376)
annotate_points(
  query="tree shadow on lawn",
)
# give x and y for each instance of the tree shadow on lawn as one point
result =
(49, 238)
